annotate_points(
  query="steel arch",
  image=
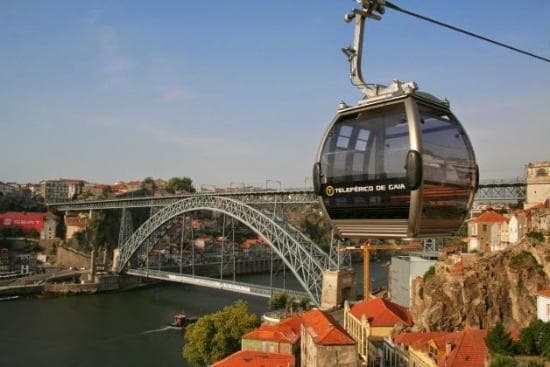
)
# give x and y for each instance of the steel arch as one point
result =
(303, 257)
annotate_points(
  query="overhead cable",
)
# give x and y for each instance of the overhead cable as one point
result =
(457, 29)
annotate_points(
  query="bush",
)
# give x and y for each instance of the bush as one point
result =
(521, 259)
(279, 301)
(536, 236)
(535, 339)
(428, 274)
(500, 360)
(499, 341)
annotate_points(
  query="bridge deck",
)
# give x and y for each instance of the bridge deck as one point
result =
(226, 285)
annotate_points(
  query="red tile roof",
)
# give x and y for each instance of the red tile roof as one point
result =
(249, 358)
(544, 293)
(490, 217)
(279, 333)
(468, 348)
(75, 221)
(382, 313)
(324, 329)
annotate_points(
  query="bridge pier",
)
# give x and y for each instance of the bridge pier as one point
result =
(338, 287)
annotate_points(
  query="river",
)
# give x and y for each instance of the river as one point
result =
(117, 329)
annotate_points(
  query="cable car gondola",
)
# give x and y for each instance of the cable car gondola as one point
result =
(397, 165)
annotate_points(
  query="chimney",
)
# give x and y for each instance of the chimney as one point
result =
(448, 348)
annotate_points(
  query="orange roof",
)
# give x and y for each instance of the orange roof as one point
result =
(273, 333)
(294, 322)
(490, 217)
(380, 312)
(324, 329)
(544, 293)
(250, 358)
(468, 347)
(75, 221)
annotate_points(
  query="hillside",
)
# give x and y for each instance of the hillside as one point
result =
(482, 289)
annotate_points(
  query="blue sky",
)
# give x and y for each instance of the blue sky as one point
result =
(241, 91)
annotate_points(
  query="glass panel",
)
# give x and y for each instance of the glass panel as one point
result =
(449, 166)
(363, 159)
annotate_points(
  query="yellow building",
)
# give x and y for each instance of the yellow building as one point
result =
(368, 322)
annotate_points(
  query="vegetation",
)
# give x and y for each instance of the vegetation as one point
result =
(20, 201)
(305, 303)
(279, 301)
(536, 236)
(522, 258)
(11, 232)
(217, 335)
(535, 339)
(499, 341)
(180, 183)
(500, 360)
(149, 185)
(429, 273)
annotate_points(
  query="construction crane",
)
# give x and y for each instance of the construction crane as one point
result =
(366, 248)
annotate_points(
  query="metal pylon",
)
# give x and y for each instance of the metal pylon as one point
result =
(126, 226)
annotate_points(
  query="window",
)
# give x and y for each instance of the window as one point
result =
(484, 227)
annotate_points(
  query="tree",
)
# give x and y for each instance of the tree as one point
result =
(217, 335)
(278, 301)
(535, 339)
(149, 184)
(304, 303)
(500, 360)
(499, 340)
(180, 183)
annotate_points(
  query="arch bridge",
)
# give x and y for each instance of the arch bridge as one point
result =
(302, 256)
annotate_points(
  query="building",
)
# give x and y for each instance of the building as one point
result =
(23, 263)
(543, 305)
(436, 349)
(403, 269)
(54, 191)
(368, 322)
(27, 222)
(538, 183)
(251, 358)
(4, 261)
(538, 217)
(6, 189)
(283, 337)
(74, 187)
(488, 232)
(517, 226)
(324, 343)
(74, 223)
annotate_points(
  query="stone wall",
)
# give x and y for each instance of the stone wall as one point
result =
(68, 257)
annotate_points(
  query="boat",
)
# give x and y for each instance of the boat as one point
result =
(181, 320)
(9, 298)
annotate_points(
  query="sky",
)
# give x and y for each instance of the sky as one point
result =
(242, 91)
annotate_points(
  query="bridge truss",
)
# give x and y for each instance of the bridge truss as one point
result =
(303, 257)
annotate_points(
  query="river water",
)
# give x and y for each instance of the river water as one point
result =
(118, 329)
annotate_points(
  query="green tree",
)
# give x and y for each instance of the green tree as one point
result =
(278, 301)
(304, 303)
(499, 340)
(180, 183)
(217, 335)
(500, 360)
(149, 185)
(535, 339)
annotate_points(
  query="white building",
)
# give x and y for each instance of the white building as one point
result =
(543, 305)
(517, 226)
(538, 183)
(403, 270)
